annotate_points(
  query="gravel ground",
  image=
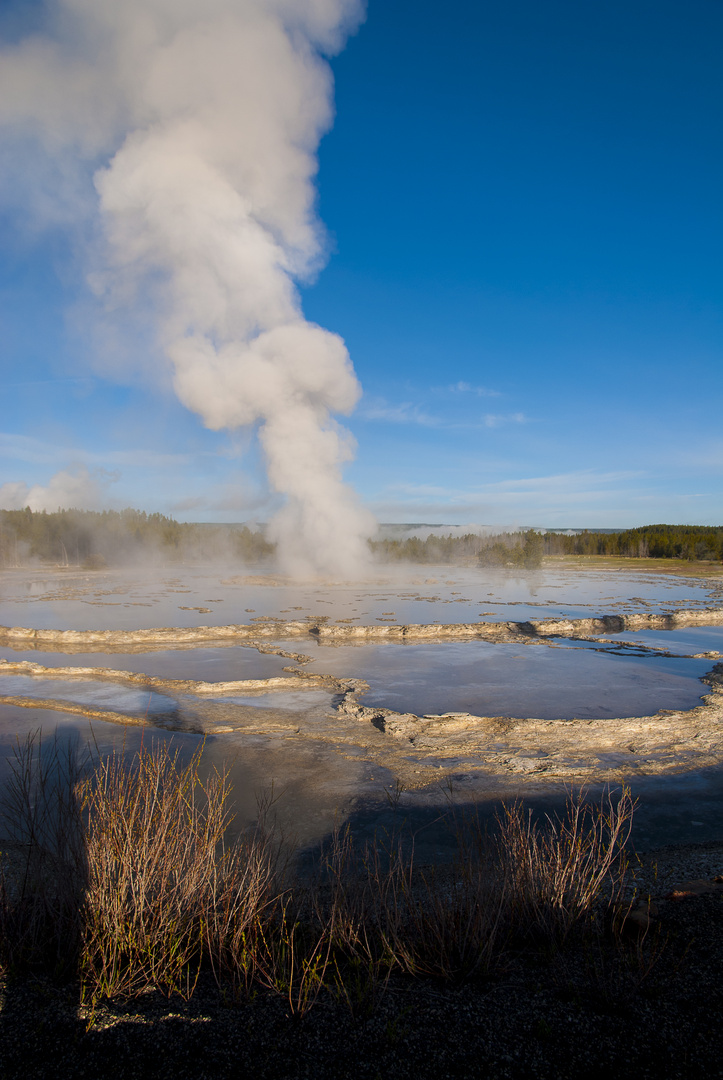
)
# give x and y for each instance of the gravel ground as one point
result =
(592, 1010)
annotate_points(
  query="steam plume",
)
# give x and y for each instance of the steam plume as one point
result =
(199, 122)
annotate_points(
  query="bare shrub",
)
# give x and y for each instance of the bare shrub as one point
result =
(119, 873)
(385, 914)
(358, 903)
(556, 871)
(455, 921)
(242, 902)
(163, 894)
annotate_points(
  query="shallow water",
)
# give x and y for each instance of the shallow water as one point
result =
(560, 679)
(685, 641)
(324, 772)
(218, 664)
(511, 680)
(94, 695)
(109, 600)
(312, 792)
(308, 789)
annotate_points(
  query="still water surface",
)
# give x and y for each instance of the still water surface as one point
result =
(88, 601)
(560, 679)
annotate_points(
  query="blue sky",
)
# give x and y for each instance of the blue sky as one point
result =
(525, 230)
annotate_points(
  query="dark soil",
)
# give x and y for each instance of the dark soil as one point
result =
(598, 1007)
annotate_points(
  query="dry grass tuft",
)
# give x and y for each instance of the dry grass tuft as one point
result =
(556, 871)
(163, 893)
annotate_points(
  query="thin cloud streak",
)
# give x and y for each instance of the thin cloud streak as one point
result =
(478, 391)
(545, 500)
(407, 413)
(572, 481)
(404, 413)
(577, 481)
(35, 451)
(227, 501)
(492, 420)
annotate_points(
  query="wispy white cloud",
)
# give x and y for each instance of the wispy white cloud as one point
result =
(408, 413)
(25, 448)
(586, 495)
(578, 480)
(416, 490)
(193, 502)
(228, 498)
(706, 454)
(496, 420)
(478, 391)
(37, 452)
(404, 413)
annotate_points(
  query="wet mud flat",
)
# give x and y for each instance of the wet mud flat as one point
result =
(349, 719)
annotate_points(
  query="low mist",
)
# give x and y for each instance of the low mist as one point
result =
(94, 540)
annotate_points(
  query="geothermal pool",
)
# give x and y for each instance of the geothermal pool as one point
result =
(422, 681)
(77, 600)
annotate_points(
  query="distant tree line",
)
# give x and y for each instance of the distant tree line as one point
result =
(503, 549)
(646, 542)
(515, 549)
(527, 548)
(94, 539)
(435, 549)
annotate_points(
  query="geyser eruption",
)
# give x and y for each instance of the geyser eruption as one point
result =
(199, 122)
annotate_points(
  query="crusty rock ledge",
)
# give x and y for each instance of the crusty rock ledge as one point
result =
(591, 749)
(98, 640)
(298, 680)
(415, 747)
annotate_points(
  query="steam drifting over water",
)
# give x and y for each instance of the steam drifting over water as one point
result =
(199, 121)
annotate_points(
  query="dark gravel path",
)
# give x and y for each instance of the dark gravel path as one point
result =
(587, 1010)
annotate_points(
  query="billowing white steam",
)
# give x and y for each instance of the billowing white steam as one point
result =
(200, 121)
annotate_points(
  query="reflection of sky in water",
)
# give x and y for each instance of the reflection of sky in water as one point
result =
(513, 680)
(686, 640)
(310, 792)
(565, 679)
(309, 787)
(200, 665)
(93, 694)
(415, 595)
